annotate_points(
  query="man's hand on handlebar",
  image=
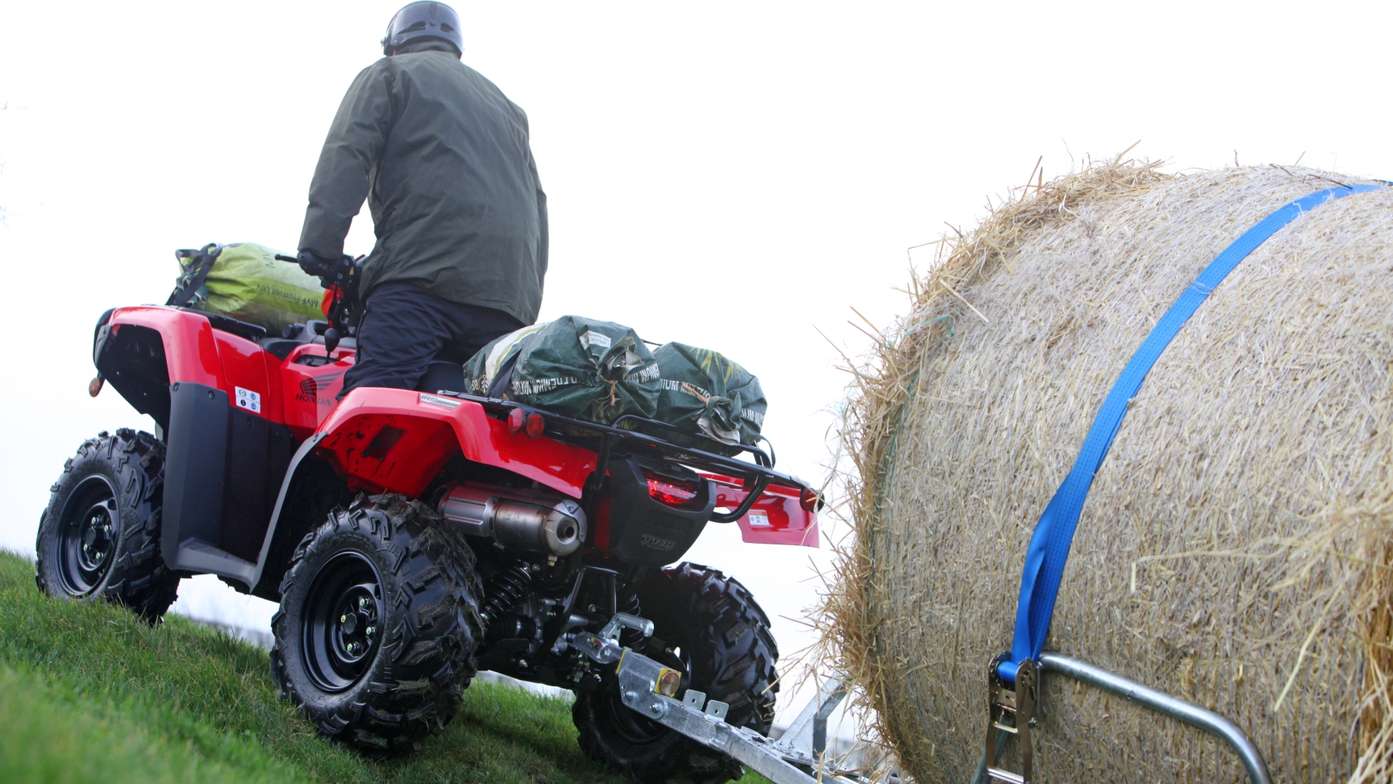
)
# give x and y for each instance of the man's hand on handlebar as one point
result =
(340, 272)
(314, 264)
(340, 281)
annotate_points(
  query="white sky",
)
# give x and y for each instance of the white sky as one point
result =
(736, 175)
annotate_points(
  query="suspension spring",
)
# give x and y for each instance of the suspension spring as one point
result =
(629, 637)
(505, 590)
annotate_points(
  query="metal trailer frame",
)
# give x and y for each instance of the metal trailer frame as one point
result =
(812, 719)
(650, 688)
(1012, 712)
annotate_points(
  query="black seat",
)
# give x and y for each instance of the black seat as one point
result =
(447, 376)
(298, 335)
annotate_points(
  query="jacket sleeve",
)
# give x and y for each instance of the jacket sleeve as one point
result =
(545, 240)
(542, 246)
(351, 153)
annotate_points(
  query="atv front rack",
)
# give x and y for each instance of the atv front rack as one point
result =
(649, 688)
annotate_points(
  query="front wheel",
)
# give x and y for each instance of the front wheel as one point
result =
(378, 624)
(99, 538)
(708, 627)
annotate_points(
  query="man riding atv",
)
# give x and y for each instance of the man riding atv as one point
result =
(413, 528)
(461, 219)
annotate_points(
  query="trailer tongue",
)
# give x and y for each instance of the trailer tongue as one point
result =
(649, 688)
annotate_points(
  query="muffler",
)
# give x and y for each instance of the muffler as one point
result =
(539, 523)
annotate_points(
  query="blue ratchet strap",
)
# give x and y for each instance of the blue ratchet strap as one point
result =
(1049, 545)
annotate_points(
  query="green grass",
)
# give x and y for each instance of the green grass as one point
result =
(88, 693)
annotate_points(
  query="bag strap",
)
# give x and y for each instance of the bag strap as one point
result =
(194, 274)
(503, 379)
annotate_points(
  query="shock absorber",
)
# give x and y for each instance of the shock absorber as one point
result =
(505, 590)
(629, 637)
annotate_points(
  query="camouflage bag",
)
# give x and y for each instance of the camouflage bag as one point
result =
(579, 367)
(709, 397)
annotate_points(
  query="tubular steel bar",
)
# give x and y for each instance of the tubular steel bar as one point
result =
(811, 721)
(1162, 703)
(824, 712)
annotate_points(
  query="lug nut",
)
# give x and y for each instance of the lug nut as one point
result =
(362, 602)
(370, 631)
(343, 618)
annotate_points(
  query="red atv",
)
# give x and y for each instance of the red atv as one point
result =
(415, 537)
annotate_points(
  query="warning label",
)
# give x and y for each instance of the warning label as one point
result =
(249, 400)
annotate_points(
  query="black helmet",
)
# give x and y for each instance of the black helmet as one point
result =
(420, 20)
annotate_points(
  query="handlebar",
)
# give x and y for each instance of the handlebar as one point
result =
(341, 273)
(340, 281)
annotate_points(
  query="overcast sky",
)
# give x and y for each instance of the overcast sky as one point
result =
(736, 175)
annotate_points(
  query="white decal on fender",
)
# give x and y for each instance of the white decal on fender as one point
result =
(249, 400)
(436, 400)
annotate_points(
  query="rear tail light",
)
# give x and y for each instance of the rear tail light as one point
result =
(809, 500)
(535, 425)
(671, 492)
(529, 422)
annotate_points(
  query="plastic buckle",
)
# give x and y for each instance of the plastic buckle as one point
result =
(1010, 711)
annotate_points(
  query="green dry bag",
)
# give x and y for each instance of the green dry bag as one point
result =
(247, 282)
(579, 367)
(709, 397)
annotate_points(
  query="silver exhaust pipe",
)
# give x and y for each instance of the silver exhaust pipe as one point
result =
(539, 523)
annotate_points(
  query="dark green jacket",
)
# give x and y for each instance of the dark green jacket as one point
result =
(443, 158)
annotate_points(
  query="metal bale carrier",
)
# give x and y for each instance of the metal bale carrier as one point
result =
(650, 688)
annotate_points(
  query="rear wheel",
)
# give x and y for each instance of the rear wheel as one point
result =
(99, 537)
(378, 624)
(709, 627)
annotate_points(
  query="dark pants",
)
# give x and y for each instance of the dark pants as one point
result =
(405, 328)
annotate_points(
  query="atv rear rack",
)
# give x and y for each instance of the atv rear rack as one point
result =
(627, 434)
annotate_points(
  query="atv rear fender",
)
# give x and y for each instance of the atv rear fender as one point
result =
(399, 441)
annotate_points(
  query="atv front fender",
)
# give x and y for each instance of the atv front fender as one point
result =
(142, 350)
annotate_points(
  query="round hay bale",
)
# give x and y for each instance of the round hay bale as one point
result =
(1235, 549)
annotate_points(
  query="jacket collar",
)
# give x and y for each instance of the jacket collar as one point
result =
(426, 45)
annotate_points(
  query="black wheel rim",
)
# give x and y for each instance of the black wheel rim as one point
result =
(342, 622)
(627, 722)
(89, 531)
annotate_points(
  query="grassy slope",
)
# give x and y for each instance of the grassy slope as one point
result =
(87, 693)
